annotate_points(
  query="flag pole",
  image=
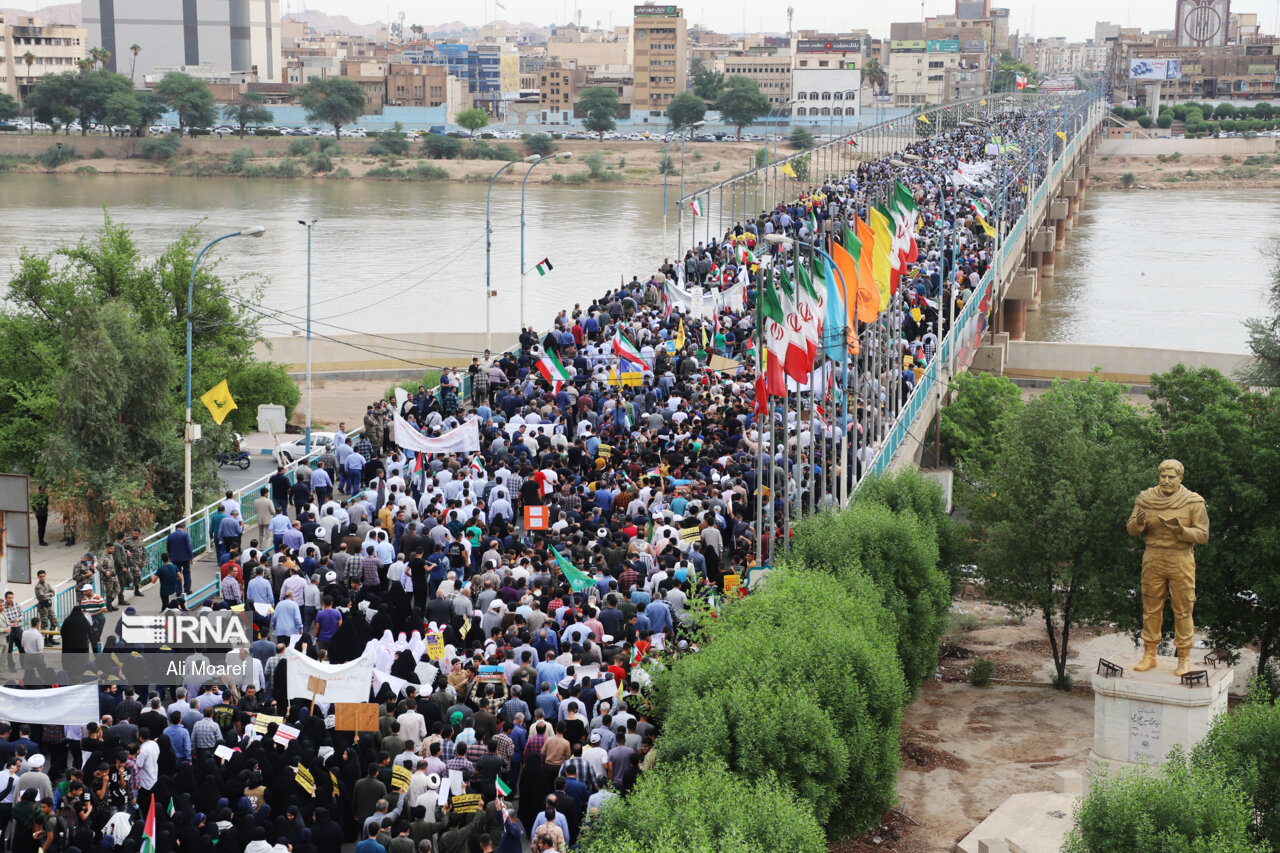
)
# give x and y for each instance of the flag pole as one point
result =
(763, 380)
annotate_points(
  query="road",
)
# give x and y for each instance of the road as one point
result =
(259, 467)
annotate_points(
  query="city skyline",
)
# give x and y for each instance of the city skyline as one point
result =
(1075, 22)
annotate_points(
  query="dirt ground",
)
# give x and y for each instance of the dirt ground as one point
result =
(1209, 172)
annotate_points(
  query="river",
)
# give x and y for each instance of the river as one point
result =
(391, 257)
(1181, 268)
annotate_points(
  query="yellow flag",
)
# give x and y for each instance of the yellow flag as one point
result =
(923, 119)
(788, 171)
(881, 262)
(680, 336)
(1062, 136)
(983, 102)
(218, 401)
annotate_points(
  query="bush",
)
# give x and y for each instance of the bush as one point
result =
(257, 131)
(801, 139)
(818, 701)
(439, 147)
(57, 155)
(1165, 121)
(391, 143)
(159, 147)
(1145, 121)
(319, 162)
(301, 147)
(505, 153)
(256, 384)
(1247, 742)
(1175, 807)
(761, 157)
(416, 172)
(540, 144)
(1128, 179)
(97, 154)
(594, 163)
(667, 166)
(704, 809)
(579, 178)
(344, 172)
(329, 145)
(239, 159)
(86, 170)
(9, 162)
(478, 150)
(980, 675)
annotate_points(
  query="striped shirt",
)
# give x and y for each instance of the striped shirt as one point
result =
(93, 605)
(369, 566)
(205, 734)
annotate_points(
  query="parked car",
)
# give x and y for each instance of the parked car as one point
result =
(296, 447)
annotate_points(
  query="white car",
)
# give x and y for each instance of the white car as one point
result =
(296, 447)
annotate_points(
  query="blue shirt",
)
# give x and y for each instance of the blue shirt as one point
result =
(288, 618)
(542, 818)
(549, 704)
(320, 479)
(260, 590)
(371, 845)
(181, 741)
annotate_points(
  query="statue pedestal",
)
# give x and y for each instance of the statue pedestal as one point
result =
(1140, 716)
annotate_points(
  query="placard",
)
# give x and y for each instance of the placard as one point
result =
(535, 518)
(466, 803)
(223, 751)
(731, 584)
(261, 721)
(400, 777)
(306, 781)
(286, 735)
(356, 716)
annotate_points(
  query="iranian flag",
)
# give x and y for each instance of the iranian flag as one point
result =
(543, 267)
(553, 371)
(810, 305)
(745, 255)
(696, 206)
(628, 351)
(907, 204)
(797, 363)
(777, 338)
(477, 467)
(503, 789)
(1020, 81)
(149, 829)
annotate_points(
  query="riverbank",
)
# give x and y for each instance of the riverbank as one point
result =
(1184, 170)
(623, 163)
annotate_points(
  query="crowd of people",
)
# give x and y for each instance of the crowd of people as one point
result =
(513, 598)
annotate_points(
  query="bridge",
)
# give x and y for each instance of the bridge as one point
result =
(1052, 179)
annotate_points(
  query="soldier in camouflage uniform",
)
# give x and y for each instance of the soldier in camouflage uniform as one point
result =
(137, 554)
(110, 577)
(44, 605)
(121, 560)
(83, 572)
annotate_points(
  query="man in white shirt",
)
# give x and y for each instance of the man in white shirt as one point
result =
(32, 639)
(148, 768)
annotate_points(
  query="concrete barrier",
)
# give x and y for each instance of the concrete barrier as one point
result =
(1134, 365)
(1186, 147)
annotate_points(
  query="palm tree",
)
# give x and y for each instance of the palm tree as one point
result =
(417, 30)
(875, 75)
(135, 49)
(99, 56)
(30, 59)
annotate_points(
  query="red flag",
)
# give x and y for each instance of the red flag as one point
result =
(762, 396)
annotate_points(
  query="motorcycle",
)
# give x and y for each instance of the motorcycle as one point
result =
(237, 457)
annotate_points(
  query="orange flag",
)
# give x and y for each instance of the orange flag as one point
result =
(856, 299)
(867, 286)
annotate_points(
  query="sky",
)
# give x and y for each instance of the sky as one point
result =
(1042, 18)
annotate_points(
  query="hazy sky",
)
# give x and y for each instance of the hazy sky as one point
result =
(1071, 18)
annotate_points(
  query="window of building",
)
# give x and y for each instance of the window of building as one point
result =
(822, 63)
(813, 96)
(801, 96)
(804, 63)
(837, 96)
(800, 111)
(935, 64)
(826, 96)
(826, 111)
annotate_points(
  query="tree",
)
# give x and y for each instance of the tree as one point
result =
(685, 109)
(972, 418)
(1048, 512)
(600, 106)
(246, 111)
(875, 75)
(1175, 806)
(440, 147)
(703, 808)
(800, 139)
(472, 120)
(99, 56)
(190, 98)
(1006, 75)
(122, 110)
(393, 142)
(1264, 332)
(1247, 743)
(540, 143)
(741, 103)
(8, 107)
(708, 85)
(134, 49)
(150, 110)
(332, 100)
(84, 94)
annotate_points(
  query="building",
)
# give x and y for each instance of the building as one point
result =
(488, 71)
(1202, 23)
(773, 73)
(54, 48)
(558, 90)
(659, 58)
(827, 91)
(410, 85)
(231, 35)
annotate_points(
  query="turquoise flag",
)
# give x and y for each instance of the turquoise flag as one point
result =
(577, 580)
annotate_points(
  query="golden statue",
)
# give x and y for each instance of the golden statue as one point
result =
(1172, 519)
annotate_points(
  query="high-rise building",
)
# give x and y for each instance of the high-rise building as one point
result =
(1202, 23)
(54, 48)
(229, 35)
(659, 47)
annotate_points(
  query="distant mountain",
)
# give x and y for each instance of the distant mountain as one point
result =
(62, 13)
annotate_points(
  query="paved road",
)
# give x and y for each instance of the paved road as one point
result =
(259, 467)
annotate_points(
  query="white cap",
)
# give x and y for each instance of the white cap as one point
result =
(87, 588)
(36, 761)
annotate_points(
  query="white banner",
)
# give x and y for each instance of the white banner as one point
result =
(67, 706)
(380, 678)
(344, 682)
(463, 439)
(706, 304)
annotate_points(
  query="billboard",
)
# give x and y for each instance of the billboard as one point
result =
(1155, 69)
(657, 12)
(1202, 23)
(909, 45)
(845, 45)
(943, 46)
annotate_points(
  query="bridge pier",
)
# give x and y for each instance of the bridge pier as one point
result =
(1013, 315)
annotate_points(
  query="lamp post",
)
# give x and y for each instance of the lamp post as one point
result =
(488, 246)
(308, 226)
(666, 174)
(562, 155)
(188, 434)
(768, 119)
(680, 212)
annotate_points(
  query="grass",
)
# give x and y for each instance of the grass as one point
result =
(86, 170)
(960, 624)
(10, 162)
(417, 172)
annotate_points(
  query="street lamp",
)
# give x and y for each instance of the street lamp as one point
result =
(666, 175)
(769, 120)
(308, 226)
(189, 432)
(562, 155)
(488, 245)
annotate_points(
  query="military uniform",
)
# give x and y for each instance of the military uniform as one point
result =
(110, 580)
(44, 605)
(83, 572)
(137, 559)
(121, 561)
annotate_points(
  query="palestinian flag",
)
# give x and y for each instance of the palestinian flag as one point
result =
(149, 830)
(982, 219)
(170, 810)
(553, 371)
(696, 207)
(745, 255)
(628, 351)
(543, 267)
(577, 580)
(503, 789)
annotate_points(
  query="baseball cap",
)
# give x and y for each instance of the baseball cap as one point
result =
(86, 588)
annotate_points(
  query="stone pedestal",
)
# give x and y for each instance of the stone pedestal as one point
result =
(1139, 717)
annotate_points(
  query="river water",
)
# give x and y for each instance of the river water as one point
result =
(1181, 268)
(391, 257)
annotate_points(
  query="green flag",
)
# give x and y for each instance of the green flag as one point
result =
(577, 580)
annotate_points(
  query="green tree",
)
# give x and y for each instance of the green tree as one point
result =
(1264, 332)
(600, 106)
(1048, 512)
(472, 120)
(800, 139)
(1175, 807)
(61, 97)
(122, 108)
(742, 102)
(150, 110)
(190, 98)
(393, 142)
(1005, 77)
(685, 109)
(875, 75)
(9, 107)
(134, 49)
(703, 808)
(440, 147)
(540, 143)
(247, 110)
(972, 419)
(708, 85)
(1247, 743)
(333, 101)
(594, 161)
